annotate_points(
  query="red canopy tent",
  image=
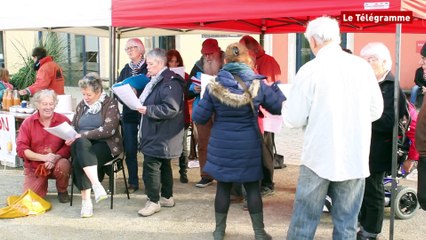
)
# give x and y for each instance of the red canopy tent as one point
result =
(254, 16)
(265, 17)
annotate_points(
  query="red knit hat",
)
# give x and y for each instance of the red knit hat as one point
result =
(210, 45)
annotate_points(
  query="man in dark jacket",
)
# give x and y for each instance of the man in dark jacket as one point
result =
(419, 78)
(421, 144)
(131, 118)
(210, 63)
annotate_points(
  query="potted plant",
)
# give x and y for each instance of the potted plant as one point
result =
(25, 76)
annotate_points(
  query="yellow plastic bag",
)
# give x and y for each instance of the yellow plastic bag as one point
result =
(29, 203)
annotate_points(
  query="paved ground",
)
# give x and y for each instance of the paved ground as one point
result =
(191, 218)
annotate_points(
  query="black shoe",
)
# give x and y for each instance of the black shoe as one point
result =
(266, 191)
(204, 182)
(63, 197)
(183, 177)
(132, 188)
(360, 236)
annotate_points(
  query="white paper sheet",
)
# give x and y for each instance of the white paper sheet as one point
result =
(205, 79)
(285, 88)
(179, 70)
(63, 130)
(126, 94)
(271, 123)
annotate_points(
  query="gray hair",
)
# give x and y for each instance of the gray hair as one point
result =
(158, 54)
(323, 29)
(93, 81)
(378, 50)
(138, 43)
(42, 94)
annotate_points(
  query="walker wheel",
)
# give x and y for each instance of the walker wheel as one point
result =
(406, 202)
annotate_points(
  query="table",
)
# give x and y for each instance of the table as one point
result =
(9, 125)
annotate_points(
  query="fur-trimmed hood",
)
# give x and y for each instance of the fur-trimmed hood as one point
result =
(227, 90)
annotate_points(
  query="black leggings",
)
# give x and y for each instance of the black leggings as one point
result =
(86, 153)
(223, 194)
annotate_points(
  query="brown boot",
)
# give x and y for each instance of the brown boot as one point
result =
(63, 197)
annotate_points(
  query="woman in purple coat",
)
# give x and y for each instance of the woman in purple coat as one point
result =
(234, 149)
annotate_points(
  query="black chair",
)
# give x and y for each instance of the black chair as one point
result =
(114, 166)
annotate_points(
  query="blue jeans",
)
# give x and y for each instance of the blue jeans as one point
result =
(130, 140)
(414, 93)
(308, 204)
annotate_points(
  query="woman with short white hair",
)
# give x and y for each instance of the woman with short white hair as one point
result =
(161, 131)
(45, 155)
(371, 213)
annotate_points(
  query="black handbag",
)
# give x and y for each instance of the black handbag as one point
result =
(266, 152)
(279, 161)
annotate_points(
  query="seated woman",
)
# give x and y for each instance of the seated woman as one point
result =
(45, 155)
(96, 120)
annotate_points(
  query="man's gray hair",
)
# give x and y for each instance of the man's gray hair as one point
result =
(378, 50)
(158, 54)
(323, 29)
(42, 94)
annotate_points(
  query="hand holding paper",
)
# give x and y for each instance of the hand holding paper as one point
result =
(126, 94)
(63, 130)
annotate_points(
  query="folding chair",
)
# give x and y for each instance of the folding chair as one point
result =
(116, 165)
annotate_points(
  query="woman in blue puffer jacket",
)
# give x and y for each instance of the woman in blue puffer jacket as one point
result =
(234, 149)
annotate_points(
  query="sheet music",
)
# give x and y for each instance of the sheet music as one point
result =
(63, 130)
(127, 96)
(179, 70)
(285, 88)
(205, 80)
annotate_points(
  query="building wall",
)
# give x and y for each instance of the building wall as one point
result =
(280, 46)
(17, 43)
(284, 50)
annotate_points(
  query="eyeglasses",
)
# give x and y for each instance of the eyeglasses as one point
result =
(371, 59)
(130, 48)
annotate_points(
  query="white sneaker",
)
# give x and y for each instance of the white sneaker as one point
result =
(149, 209)
(167, 202)
(86, 210)
(100, 193)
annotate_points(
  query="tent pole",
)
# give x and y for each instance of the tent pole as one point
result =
(395, 129)
(112, 50)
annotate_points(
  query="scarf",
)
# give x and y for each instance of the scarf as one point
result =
(96, 106)
(37, 65)
(146, 92)
(136, 66)
(242, 70)
(7, 85)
